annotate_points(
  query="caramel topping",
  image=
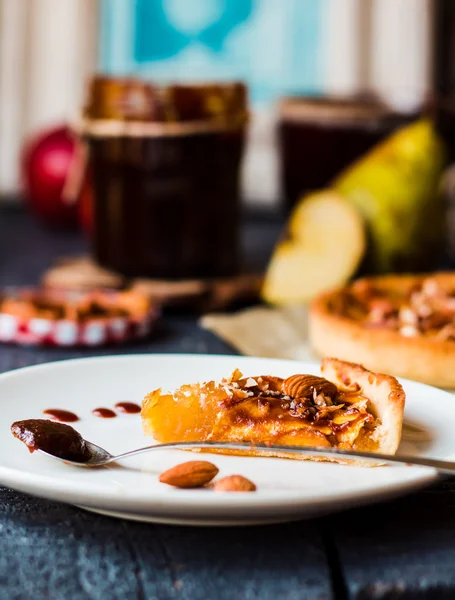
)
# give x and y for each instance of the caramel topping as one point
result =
(309, 398)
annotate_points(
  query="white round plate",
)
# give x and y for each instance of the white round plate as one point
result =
(287, 489)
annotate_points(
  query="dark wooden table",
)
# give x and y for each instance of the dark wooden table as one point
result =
(399, 549)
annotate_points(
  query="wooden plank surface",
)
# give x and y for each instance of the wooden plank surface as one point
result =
(403, 549)
(50, 550)
(400, 549)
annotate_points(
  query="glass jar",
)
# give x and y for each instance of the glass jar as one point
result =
(165, 166)
(319, 137)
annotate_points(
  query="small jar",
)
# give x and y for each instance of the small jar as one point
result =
(165, 166)
(319, 137)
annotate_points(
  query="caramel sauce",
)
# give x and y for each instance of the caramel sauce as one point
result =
(103, 413)
(63, 416)
(269, 405)
(130, 408)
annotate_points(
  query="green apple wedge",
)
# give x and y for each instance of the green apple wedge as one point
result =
(396, 189)
(323, 245)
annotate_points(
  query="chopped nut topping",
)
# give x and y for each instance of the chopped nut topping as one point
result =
(308, 397)
(430, 287)
(408, 316)
(227, 389)
(320, 400)
(250, 382)
(380, 309)
(409, 331)
(268, 382)
(263, 385)
(428, 308)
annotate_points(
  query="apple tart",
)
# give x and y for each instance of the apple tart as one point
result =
(347, 407)
(400, 324)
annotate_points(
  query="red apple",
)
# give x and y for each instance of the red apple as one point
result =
(46, 162)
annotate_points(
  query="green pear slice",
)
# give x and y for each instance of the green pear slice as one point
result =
(323, 246)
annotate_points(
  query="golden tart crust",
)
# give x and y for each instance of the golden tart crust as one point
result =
(402, 349)
(348, 407)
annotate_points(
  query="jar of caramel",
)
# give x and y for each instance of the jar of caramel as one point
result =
(165, 166)
(319, 137)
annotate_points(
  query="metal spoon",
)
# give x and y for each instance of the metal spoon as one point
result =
(101, 457)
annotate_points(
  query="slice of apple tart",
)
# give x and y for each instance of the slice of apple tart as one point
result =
(348, 407)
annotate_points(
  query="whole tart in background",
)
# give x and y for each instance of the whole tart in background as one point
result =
(398, 324)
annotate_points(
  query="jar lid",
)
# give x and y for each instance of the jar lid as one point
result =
(136, 108)
(334, 110)
(138, 100)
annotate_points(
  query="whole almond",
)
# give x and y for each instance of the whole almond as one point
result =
(234, 483)
(304, 386)
(192, 474)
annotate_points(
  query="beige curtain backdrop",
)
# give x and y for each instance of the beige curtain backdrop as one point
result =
(383, 46)
(47, 49)
(379, 45)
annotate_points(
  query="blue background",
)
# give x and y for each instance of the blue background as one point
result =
(273, 45)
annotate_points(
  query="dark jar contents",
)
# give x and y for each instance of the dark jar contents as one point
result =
(166, 178)
(319, 137)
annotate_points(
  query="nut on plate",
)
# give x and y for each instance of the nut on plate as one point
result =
(191, 474)
(234, 483)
